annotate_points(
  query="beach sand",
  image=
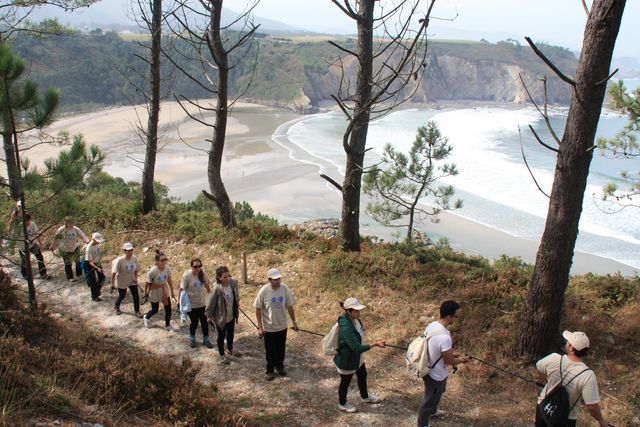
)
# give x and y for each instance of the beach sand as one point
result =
(276, 179)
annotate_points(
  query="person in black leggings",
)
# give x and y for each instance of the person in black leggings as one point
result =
(159, 287)
(194, 283)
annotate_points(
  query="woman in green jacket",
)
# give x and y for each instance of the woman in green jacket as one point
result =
(350, 357)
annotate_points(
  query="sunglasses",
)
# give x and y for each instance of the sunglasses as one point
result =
(197, 266)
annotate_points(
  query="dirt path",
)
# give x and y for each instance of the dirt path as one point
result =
(308, 396)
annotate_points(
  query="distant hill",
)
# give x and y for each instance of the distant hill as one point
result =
(293, 72)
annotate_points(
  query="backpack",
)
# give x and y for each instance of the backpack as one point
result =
(555, 408)
(331, 341)
(417, 357)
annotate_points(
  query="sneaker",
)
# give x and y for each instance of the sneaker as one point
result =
(138, 315)
(233, 353)
(372, 399)
(72, 279)
(347, 407)
(270, 376)
(118, 311)
(97, 299)
(282, 373)
(439, 413)
(147, 324)
(192, 341)
(171, 328)
(224, 360)
(207, 342)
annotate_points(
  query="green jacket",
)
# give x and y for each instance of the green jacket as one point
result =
(350, 345)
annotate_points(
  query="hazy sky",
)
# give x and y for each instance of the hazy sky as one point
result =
(555, 21)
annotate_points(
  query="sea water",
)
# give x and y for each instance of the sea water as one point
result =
(498, 190)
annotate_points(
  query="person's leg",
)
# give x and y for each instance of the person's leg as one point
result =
(230, 328)
(136, 298)
(203, 321)
(194, 322)
(155, 306)
(361, 373)
(23, 263)
(220, 340)
(167, 314)
(343, 388)
(67, 259)
(269, 349)
(42, 269)
(280, 350)
(99, 281)
(433, 391)
(121, 294)
(76, 258)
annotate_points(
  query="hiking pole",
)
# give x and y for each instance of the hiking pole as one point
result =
(322, 335)
(505, 371)
(252, 322)
(396, 346)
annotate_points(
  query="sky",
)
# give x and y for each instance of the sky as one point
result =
(559, 22)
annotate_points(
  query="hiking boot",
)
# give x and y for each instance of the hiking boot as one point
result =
(233, 353)
(96, 299)
(138, 315)
(347, 407)
(439, 413)
(270, 376)
(207, 342)
(224, 360)
(282, 372)
(192, 341)
(147, 324)
(118, 311)
(171, 328)
(372, 399)
(71, 279)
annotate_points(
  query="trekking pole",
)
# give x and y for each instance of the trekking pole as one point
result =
(322, 335)
(396, 346)
(505, 371)
(252, 322)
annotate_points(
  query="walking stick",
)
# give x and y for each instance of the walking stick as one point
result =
(322, 335)
(252, 322)
(505, 371)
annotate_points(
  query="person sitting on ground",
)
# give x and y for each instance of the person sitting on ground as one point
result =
(350, 357)
(92, 266)
(223, 309)
(68, 236)
(124, 273)
(272, 303)
(579, 381)
(440, 349)
(159, 287)
(32, 246)
(194, 283)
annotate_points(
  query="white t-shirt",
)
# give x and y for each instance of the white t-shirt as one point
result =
(437, 344)
(69, 238)
(93, 253)
(274, 304)
(227, 294)
(195, 288)
(585, 386)
(32, 236)
(157, 277)
(125, 270)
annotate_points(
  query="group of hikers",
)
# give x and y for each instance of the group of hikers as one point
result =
(218, 304)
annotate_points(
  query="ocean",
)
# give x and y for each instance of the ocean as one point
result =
(493, 181)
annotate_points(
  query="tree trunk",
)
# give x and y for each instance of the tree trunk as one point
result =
(13, 170)
(540, 319)
(218, 191)
(350, 225)
(148, 173)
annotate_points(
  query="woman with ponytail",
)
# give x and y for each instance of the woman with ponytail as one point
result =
(196, 284)
(223, 311)
(159, 287)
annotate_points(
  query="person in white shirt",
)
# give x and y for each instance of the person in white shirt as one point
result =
(92, 266)
(124, 273)
(441, 351)
(68, 236)
(272, 303)
(578, 379)
(159, 288)
(32, 246)
(196, 284)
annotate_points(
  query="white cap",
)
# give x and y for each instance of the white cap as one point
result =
(352, 304)
(273, 273)
(578, 340)
(97, 237)
(19, 204)
(127, 246)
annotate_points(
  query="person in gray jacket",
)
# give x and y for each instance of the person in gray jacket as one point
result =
(222, 311)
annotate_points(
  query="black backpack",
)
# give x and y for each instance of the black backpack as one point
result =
(555, 408)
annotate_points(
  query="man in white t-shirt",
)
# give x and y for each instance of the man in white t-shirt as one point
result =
(441, 351)
(272, 303)
(578, 379)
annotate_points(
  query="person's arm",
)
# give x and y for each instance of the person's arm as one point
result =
(170, 283)
(84, 238)
(452, 359)
(348, 333)
(594, 411)
(11, 219)
(293, 317)
(259, 320)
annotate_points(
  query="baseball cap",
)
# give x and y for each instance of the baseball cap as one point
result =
(127, 246)
(97, 237)
(578, 340)
(352, 304)
(273, 273)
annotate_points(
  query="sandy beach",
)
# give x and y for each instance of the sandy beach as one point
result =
(276, 179)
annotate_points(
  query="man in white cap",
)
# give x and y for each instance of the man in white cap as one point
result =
(92, 266)
(578, 380)
(272, 303)
(124, 273)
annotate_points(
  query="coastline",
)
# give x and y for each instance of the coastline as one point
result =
(277, 179)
